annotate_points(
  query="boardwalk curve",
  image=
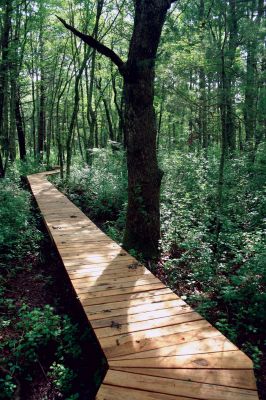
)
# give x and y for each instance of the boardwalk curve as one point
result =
(157, 347)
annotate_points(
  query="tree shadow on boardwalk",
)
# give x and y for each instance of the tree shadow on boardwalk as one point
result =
(143, 328)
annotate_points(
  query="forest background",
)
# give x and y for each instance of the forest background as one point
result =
(62, 103)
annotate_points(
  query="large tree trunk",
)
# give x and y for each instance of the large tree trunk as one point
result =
(144, 176)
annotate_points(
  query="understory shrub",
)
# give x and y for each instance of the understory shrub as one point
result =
(219, 263)
(41, 335)
(18, 232)
(214, 257)
(32, 338)
(100, 189)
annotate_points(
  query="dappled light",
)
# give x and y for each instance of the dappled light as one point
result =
(148, 334)
(132, 200)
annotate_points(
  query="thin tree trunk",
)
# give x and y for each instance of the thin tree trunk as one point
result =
(251, 90)
(4, 67)
(202, 86)
(20, 128)
(42, 101)
(70, 135)
(91, 114)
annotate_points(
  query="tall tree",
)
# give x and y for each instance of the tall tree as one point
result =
(42, 88)
(144, 176)
(4, 67)
(251, 89)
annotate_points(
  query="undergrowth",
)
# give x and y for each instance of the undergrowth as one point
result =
(33, 337)
(100, 190)
(214, 258)
(218, 264)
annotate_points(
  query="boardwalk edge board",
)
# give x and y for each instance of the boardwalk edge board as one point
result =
(156, 346)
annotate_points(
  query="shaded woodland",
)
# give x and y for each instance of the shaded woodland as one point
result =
(155, 113)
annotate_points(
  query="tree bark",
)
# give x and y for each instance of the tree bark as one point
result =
(42, 100)
(74, 115)
(251, 89)
(144, 176)
(142, 231)
(202, 84)
(20, 128)
(4, 67)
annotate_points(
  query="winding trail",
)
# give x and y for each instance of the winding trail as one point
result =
(157, 347)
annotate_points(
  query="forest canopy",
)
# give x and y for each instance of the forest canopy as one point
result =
(155, 113)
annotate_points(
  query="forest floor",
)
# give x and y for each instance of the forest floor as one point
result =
(40, 281)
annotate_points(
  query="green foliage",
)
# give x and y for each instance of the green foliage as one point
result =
(37, 331)
(223, 273)
(23, 168)
(62, 377)
(7, 386)
(18, 233)
(40, 327)
(32, 339)
(254, 352)
(101, 189)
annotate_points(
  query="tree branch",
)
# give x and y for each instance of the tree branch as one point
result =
(95, 44)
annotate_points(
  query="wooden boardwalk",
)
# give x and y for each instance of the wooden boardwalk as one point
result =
(156, 346)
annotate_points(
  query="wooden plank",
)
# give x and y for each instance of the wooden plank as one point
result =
(80, 287)
(83, 253)
(139, 314)
(104, 256)
(83, 228)
(104, 280)
(102, 301)
(86, 245)
(239, 378)
(208, 345)
(120, 273)
(139, 341)
(113, 266)
(111, 262)
(173, 387)
(235, 359)
(128, 303)
(115, 292)
(71, 226)
(57, 233)
(86, 239)
(109, 392)
(138, 344)
(76, 235)
(72, 238)
(115, 328)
